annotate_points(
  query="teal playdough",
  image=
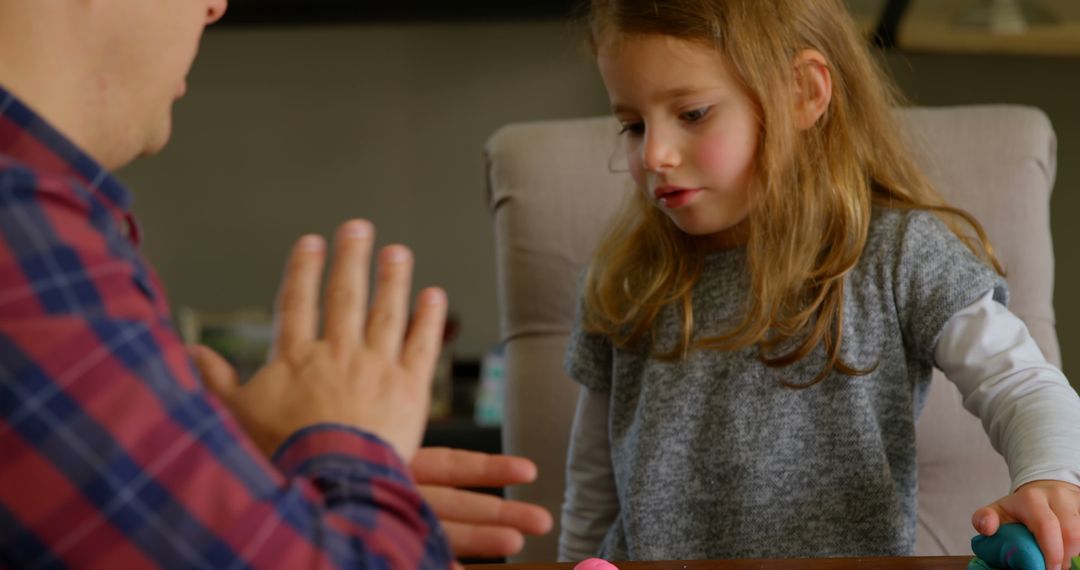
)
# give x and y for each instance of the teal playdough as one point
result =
(1012, 547)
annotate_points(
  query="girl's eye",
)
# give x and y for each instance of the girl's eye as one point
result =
(695, 115)
(632, 129)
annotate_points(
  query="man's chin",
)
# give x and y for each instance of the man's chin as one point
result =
(157, 141)
(121, 151)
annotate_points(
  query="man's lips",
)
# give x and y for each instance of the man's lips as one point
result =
(675, 196)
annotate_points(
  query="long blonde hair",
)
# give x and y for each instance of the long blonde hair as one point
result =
(812, 192)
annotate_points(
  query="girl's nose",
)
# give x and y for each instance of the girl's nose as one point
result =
(659, 153)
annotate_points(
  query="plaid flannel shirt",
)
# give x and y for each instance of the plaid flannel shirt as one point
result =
(112, 453)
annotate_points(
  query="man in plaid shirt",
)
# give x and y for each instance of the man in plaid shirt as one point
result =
(113, 452)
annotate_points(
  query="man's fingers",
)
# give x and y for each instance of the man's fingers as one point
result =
(464, 506)
(218, 375)
(485, 510)
(472, 541)
(296, 309)
(426, 333)
(460, 468)
(347, 288)
(389, 311)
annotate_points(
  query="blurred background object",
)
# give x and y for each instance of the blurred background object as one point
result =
(442, 386)
(242, 336)
(489, 396)
(1006, 16)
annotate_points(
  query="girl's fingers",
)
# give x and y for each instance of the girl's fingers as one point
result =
(424, 341)
(389, 311)
(296, 309)
(1044, 525)
(988, 519)
(1031, 507)
(1068, 516)
(346, 290)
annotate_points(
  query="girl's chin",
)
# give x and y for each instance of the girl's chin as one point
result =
(725, 237)
(696, 229)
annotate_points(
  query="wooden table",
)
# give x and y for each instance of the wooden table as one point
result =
(912, 563)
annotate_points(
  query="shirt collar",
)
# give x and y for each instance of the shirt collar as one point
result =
(29, 139)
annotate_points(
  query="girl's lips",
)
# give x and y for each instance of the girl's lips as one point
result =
(673, 198)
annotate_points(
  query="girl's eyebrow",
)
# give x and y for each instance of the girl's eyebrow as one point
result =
(676, 92)
(672, 93)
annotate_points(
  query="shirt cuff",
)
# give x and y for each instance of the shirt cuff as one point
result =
(1063, 474)
(309, 449)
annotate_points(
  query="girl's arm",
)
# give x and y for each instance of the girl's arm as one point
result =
(591, 503)
(1032, 416)
(1027, 407)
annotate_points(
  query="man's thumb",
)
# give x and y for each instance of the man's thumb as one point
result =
(218, 375)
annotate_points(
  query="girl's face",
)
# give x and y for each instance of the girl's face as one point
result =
(691, 131)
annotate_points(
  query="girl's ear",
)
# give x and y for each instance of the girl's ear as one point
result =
(813, 87)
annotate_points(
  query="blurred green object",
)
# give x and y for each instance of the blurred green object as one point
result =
(1076, 563)
(1006, 16)
(492, 390)
(243, 337)
(978, 564)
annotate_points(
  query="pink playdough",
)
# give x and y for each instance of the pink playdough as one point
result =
(595, 564)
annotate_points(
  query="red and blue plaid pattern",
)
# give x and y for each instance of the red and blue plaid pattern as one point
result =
(112, 454)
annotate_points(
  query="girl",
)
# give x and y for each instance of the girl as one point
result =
(757, 331)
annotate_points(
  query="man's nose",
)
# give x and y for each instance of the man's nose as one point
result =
(215, 9)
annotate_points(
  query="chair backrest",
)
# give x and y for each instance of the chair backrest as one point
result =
(552, 192)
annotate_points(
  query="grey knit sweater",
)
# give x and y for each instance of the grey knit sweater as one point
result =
(714, 457)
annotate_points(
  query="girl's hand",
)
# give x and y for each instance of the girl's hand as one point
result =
(1049, 509)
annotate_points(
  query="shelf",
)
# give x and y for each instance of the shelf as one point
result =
(931, 26)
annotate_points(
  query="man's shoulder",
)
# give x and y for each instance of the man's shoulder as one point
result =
(15, 176)
(21, 184)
